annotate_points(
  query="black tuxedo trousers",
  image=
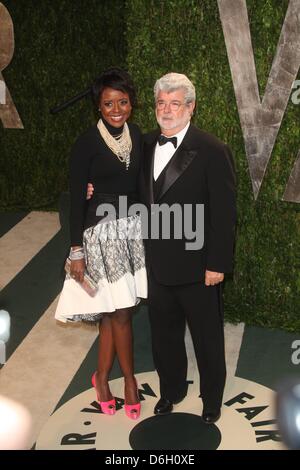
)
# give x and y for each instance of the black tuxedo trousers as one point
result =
(200, 307)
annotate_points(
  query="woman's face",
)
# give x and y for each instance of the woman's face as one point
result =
(115, 106)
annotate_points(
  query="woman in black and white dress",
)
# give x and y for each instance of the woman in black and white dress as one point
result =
(111, 252)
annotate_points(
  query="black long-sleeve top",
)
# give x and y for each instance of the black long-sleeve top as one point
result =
(93, 162)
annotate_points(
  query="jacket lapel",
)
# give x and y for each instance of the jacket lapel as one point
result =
(181, 159)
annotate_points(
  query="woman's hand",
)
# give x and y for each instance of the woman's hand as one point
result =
(77, 269)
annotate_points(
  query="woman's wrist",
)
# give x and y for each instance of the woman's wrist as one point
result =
(76, 253)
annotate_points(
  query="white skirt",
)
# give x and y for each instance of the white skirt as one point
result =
(115, 260)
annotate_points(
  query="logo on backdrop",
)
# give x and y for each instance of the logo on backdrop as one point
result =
(247, 421)
(261, 118)
(8, 112)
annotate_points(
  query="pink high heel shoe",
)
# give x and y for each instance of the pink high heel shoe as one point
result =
(107, 407)
(133, 411)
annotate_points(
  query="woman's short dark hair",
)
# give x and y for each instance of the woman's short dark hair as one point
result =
(115, 78)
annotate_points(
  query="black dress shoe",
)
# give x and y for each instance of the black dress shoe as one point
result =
(163, 407)
(210, 417)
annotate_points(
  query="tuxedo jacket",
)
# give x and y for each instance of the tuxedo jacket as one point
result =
(200, 172)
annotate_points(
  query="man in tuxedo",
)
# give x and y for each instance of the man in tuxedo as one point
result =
(187, 166)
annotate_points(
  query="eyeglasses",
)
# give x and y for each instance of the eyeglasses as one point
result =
(174, 105)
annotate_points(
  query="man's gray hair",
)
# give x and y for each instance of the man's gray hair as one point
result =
(173, 82)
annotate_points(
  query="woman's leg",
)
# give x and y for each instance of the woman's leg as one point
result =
(106, 355)
(123, 341)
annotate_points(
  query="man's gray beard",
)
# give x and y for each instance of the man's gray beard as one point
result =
(174, 123)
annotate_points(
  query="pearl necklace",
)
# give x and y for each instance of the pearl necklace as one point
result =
(120, 146)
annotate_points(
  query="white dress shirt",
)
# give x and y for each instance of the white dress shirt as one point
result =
(164, 153)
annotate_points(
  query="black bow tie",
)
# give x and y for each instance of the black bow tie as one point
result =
(162, 140)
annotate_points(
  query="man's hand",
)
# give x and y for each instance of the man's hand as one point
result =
(212, 278)
(89, 191)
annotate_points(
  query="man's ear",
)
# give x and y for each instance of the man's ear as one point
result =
(192, 107)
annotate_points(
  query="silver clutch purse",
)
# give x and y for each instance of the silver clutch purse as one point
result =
(90, 286)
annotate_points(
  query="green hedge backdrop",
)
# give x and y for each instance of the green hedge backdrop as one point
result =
(61, 45)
